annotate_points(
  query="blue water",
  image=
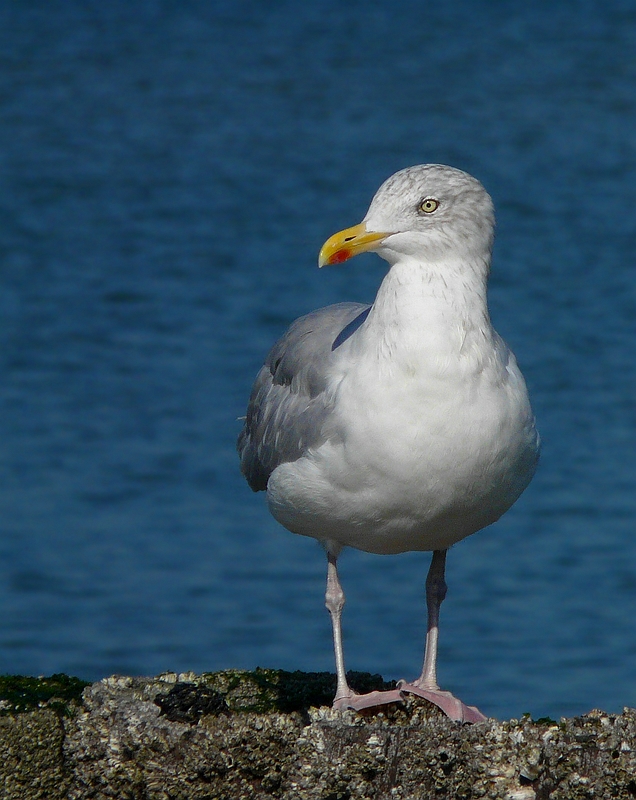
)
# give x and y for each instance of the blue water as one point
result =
(168, 172)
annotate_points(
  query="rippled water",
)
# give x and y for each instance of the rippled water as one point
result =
(168, 173)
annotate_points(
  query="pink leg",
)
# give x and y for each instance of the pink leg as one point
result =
(426, 685)
(335, 600)
(345, 696)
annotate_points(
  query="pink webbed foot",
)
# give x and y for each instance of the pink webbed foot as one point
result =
(358, 702)
(448, 703)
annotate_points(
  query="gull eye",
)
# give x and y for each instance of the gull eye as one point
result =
(428, 205)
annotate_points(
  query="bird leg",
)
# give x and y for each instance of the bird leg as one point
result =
(435, 595)
(335, 600)
(345, 696)
(426, 685)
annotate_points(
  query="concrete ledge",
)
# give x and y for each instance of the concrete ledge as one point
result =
(257, 735)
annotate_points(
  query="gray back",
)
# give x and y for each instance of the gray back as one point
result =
(289, 405)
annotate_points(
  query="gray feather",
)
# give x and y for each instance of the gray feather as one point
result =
(289, 404)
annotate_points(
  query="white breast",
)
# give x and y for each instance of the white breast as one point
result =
(419, 456)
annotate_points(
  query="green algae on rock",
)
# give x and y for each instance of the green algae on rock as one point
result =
(20, 693)
(265, 691)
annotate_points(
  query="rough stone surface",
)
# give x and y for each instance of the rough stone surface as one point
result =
(256, 736)
(31, 760)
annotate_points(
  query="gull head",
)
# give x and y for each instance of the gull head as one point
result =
(429, 213)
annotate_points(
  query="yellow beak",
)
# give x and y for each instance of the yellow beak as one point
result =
(348, 243)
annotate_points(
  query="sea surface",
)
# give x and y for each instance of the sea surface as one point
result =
(168, 173)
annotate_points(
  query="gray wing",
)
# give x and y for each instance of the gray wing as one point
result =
(288, 405)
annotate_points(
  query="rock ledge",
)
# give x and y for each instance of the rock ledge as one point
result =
(270, 734)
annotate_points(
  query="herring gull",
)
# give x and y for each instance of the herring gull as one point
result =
(404, 425)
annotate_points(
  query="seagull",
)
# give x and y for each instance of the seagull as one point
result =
(404, 425)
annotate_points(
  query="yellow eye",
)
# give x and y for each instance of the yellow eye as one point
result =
(429, 205)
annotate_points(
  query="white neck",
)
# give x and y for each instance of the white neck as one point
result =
(429, 312)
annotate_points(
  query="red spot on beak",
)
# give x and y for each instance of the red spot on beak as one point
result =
(340, 255)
